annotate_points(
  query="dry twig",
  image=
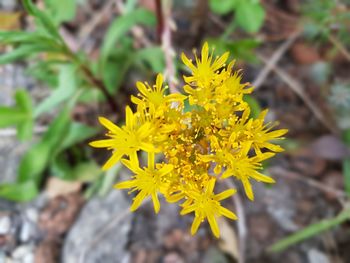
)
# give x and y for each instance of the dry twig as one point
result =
(339, 46)
(273, 60)
(166, 41)
(241, 222)
(106, 229)
(278, 171)
(8, 132)
(299, 90)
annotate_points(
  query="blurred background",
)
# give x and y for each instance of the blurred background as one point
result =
(63, 63)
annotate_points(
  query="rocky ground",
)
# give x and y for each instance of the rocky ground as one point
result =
(70, 229)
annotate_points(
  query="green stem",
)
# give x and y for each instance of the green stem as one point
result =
(90, 77)
(346, 163)
(231, 27)
(310, 231)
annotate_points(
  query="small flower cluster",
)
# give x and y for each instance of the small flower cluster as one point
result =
(205, 136)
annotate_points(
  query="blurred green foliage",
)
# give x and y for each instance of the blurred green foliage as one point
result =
(325, 17)
(249, 14)
(73, 79)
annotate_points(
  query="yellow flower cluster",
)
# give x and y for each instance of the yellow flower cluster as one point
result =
(210, 139)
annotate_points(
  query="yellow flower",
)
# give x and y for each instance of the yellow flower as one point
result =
(206, 205)
(155, 97)
(147, 181)
(127, 140)
(213, 138)
(205, 71)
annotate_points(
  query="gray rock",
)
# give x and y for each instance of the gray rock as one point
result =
(32, 214)
(95, 215)
(5, 225)
(23, 252)
(2, 257)
(29, 258)
(27, 231)
(8, 5)
(316, 256)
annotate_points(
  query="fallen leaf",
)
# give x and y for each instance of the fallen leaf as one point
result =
(60, 213)
(228, 238)
(304, 54)
(48, 251)
(56, 187)
(330, 147)
(10, 21)
(308, 163)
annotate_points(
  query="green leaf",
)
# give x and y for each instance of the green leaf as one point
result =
(24, 101)
(121, 25)
(240, 49)
(119, 61)
(346, 163)
(108, 180)
(310, 231)
(21, 37)
(43, 18)
(154, 56)
(61, 11)
(37, 158)
(86, 172)
(67, 86)
(78, 132)
(45, 71)
(19, 115)
(11, 116)
(25, 130)
(25, 51)
(250, 15)
(254, 106)
(130, 5)
(222, 7)
(19, 192)
(34, 163)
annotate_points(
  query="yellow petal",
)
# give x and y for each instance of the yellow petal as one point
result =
(248, 189)
(109, 125)
(136, 100)
(205, 52)
(125, 185)
(138, 200)
(108, 143)
(211, 185)
(225, 212)
(112, 160)
(167, 168)
(225, 194)
(156, 203)
(277, 133)
(262, 178)
(196, 222)
(175, 197)
(159, 82)
(151, 160)
(188, 209)
(129, 117)
(214, 226)
(142, 88)
(187, 62)
(220, 61)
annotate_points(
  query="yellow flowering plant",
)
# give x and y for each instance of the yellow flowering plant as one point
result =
(213, 141)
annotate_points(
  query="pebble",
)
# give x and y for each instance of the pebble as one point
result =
(316, 256)
(32, 214)
(8, 5)
(22, 252)
(5, 225)
(25, 232)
